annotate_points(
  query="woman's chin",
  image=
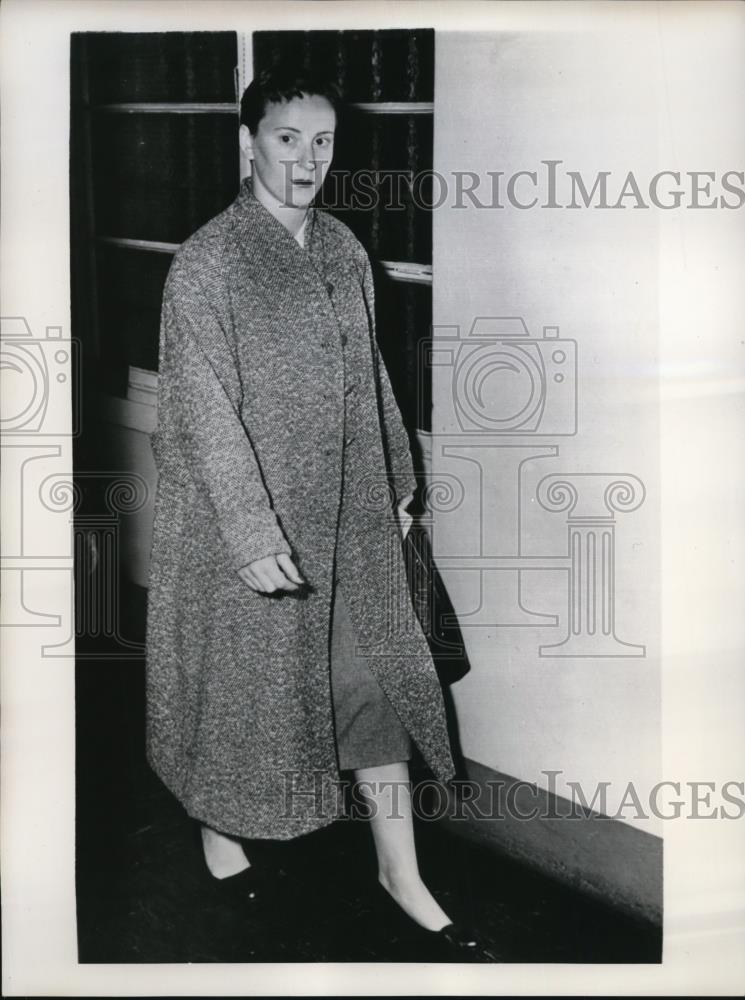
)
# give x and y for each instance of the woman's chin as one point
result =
(302, 195)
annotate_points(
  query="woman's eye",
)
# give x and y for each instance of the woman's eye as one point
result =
(285, 138)
(323, 141)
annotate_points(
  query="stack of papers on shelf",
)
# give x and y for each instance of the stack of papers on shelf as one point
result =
(142, 386)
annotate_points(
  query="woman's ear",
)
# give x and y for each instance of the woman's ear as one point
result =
(245, 140)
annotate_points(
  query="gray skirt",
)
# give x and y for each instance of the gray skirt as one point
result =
(368, 731)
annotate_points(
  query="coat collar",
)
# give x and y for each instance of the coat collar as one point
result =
(257, 224)
(276, 256)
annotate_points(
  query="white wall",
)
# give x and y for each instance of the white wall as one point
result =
(504, 102)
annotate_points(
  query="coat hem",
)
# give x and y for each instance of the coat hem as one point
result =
(247, 831)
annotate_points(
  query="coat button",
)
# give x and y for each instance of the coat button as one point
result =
(329, 287)
(344, 340)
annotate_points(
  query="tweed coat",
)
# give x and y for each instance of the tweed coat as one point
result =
(265, 349)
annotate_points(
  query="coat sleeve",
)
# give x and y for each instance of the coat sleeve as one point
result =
(199, 420)
(397, 443)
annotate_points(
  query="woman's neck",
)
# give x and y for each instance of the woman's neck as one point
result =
(291, 218)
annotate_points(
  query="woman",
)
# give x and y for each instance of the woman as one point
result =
(274, 656)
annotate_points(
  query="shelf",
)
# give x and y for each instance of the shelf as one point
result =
(397, 270)
(418, 274)
(153, 246)
(167, 108)
(396, 107)
(215, 108)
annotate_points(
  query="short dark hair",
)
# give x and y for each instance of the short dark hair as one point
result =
(277, 85)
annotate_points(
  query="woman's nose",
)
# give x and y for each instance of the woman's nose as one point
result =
(307, 159)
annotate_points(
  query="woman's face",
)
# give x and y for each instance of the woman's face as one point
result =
(292, 150)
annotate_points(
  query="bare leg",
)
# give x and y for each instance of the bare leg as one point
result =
(393, 833)
(224, 855)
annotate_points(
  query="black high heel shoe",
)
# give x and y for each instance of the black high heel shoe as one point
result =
(452, 943)
(244, 885)
(457, 944)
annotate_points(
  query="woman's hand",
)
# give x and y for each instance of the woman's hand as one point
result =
(271, 573)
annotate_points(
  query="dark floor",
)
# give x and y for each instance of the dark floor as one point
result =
(144, 894)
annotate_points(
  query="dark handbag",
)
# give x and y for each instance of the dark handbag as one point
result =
(433, 607)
